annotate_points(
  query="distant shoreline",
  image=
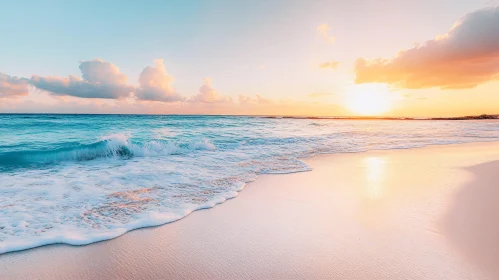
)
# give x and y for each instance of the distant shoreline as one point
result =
(473, 117)
(477, 117)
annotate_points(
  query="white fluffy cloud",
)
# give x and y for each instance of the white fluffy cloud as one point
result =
(207, 94)
(101, 79)
(465, 57)
(13, 86)
(155, 84)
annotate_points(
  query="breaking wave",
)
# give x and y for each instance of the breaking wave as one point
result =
(117, 146)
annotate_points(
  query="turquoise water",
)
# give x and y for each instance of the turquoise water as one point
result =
(79, 179)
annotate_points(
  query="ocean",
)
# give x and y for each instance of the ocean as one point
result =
(79, 179)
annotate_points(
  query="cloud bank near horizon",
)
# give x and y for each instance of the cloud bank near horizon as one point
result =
(468, 55)
(207, 94)
(13, 86)
(103, 87)
(257, 100)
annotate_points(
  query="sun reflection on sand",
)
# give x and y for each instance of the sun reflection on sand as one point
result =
(375, 172)
(373, 196)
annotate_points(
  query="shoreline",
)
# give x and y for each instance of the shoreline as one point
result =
(469, 154)
(222, 200)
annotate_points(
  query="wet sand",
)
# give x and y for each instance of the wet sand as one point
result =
(427, 213)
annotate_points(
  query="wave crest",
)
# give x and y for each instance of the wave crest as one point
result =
(116, 146)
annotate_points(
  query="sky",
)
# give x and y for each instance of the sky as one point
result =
(266, 57)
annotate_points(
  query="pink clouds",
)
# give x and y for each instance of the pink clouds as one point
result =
(13, 86)
(155, 84)
(258, 99)
(100, 71)
(468, 55)
(207, 94)
(101, 79)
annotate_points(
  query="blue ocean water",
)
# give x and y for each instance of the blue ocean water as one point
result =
(79, 179)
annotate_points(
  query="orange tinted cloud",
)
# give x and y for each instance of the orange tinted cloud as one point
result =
(323, 30)
(329, 65)
(465, 57)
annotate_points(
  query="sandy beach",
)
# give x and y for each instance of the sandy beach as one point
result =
(427, 213)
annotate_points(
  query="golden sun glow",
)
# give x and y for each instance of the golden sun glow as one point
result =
(368, 100)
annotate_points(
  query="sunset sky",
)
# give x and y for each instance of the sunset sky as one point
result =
(283, 57)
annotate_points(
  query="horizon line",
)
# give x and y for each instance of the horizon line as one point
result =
(466, 117)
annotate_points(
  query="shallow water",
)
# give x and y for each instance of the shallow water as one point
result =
(79, 179)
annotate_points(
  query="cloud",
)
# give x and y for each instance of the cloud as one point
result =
(323, 30)
(101, 79)
(207, 94)
(465, 57)
(13, 86)
(329, 65)
(44, 102)
(155, 84)
(258, 99)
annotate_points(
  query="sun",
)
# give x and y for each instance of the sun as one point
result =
(368, 100)
(368, 103)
